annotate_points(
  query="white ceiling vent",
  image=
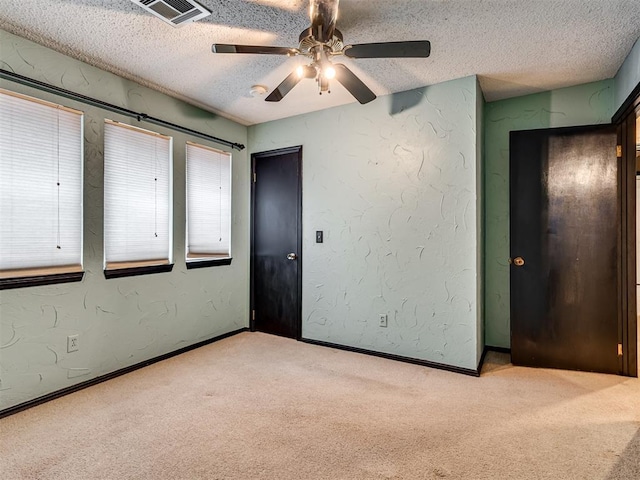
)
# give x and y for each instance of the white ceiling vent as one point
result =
(174, 12)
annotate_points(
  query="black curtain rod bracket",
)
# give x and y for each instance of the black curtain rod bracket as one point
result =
(30, 82)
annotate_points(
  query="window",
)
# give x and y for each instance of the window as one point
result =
(137, 201)
(41, 158)
(208, 206)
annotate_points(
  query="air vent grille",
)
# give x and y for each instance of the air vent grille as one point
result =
(163, 10)
(186, 17)
(181, 5)
(174, 12)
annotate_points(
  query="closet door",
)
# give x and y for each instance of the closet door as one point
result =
(565, 248)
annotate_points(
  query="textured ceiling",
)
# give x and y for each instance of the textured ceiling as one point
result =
(515, 46)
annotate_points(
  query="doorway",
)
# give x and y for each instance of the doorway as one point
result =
(276, 242)
(628, 139)
(626, 121)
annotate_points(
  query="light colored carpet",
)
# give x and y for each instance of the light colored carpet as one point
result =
(256, 406)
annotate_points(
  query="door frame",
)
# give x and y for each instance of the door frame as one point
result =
(625, 120)
(254, 158)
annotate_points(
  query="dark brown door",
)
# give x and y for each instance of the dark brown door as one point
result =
(565, 248)
(276, 268)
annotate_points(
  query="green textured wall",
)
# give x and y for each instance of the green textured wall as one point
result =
(120, 321)
(394, 186)
(628, 76)
(587, 104)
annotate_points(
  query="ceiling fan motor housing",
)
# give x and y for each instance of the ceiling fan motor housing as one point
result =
(308, 41)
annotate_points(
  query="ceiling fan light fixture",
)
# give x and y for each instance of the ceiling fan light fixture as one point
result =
(323, 85)
(306, 71)
(329, 72)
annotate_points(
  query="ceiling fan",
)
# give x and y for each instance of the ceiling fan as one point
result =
(321, 42)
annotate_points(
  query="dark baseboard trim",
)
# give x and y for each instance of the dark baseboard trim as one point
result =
(497, 349)
(399, 358)
(487, 349)
(103, 378)
(481, 362)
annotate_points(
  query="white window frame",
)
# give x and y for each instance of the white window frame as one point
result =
(127, 253)
(200, 248)
(47, 247)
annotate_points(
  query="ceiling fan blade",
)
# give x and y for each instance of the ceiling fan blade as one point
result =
(259, 49)
(416, 48)
(285, 87)
(353, 84)
(324, 14)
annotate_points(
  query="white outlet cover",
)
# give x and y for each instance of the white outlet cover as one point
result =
(73, 343)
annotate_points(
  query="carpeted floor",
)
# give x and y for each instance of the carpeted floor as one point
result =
(256, 406)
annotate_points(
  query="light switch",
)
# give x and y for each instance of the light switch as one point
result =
(319, 236)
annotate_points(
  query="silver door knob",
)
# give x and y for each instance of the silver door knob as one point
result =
(292, 256)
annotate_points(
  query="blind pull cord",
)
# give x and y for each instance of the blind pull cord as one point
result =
(220, 196)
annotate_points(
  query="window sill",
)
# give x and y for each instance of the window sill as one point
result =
(39, 280)
(141, 270)
(209, 263)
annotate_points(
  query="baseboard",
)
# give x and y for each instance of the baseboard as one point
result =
(399, 358)
(103, 378)
(487, 349)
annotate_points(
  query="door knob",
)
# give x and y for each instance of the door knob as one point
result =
(292, 256)
(518, 261)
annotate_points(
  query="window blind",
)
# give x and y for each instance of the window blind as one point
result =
(137, 197)
(208, 203)
(41, 159)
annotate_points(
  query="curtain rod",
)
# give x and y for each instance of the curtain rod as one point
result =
(30, 82)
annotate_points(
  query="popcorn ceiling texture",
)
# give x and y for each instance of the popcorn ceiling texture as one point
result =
(124, 321)
(515, 47)
(394, 186)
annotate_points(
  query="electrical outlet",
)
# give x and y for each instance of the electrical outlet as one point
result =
(73, 343)
(383, 320)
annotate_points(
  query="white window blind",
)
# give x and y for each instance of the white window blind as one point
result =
(41, 159)
(137, 197)
(208, 203)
